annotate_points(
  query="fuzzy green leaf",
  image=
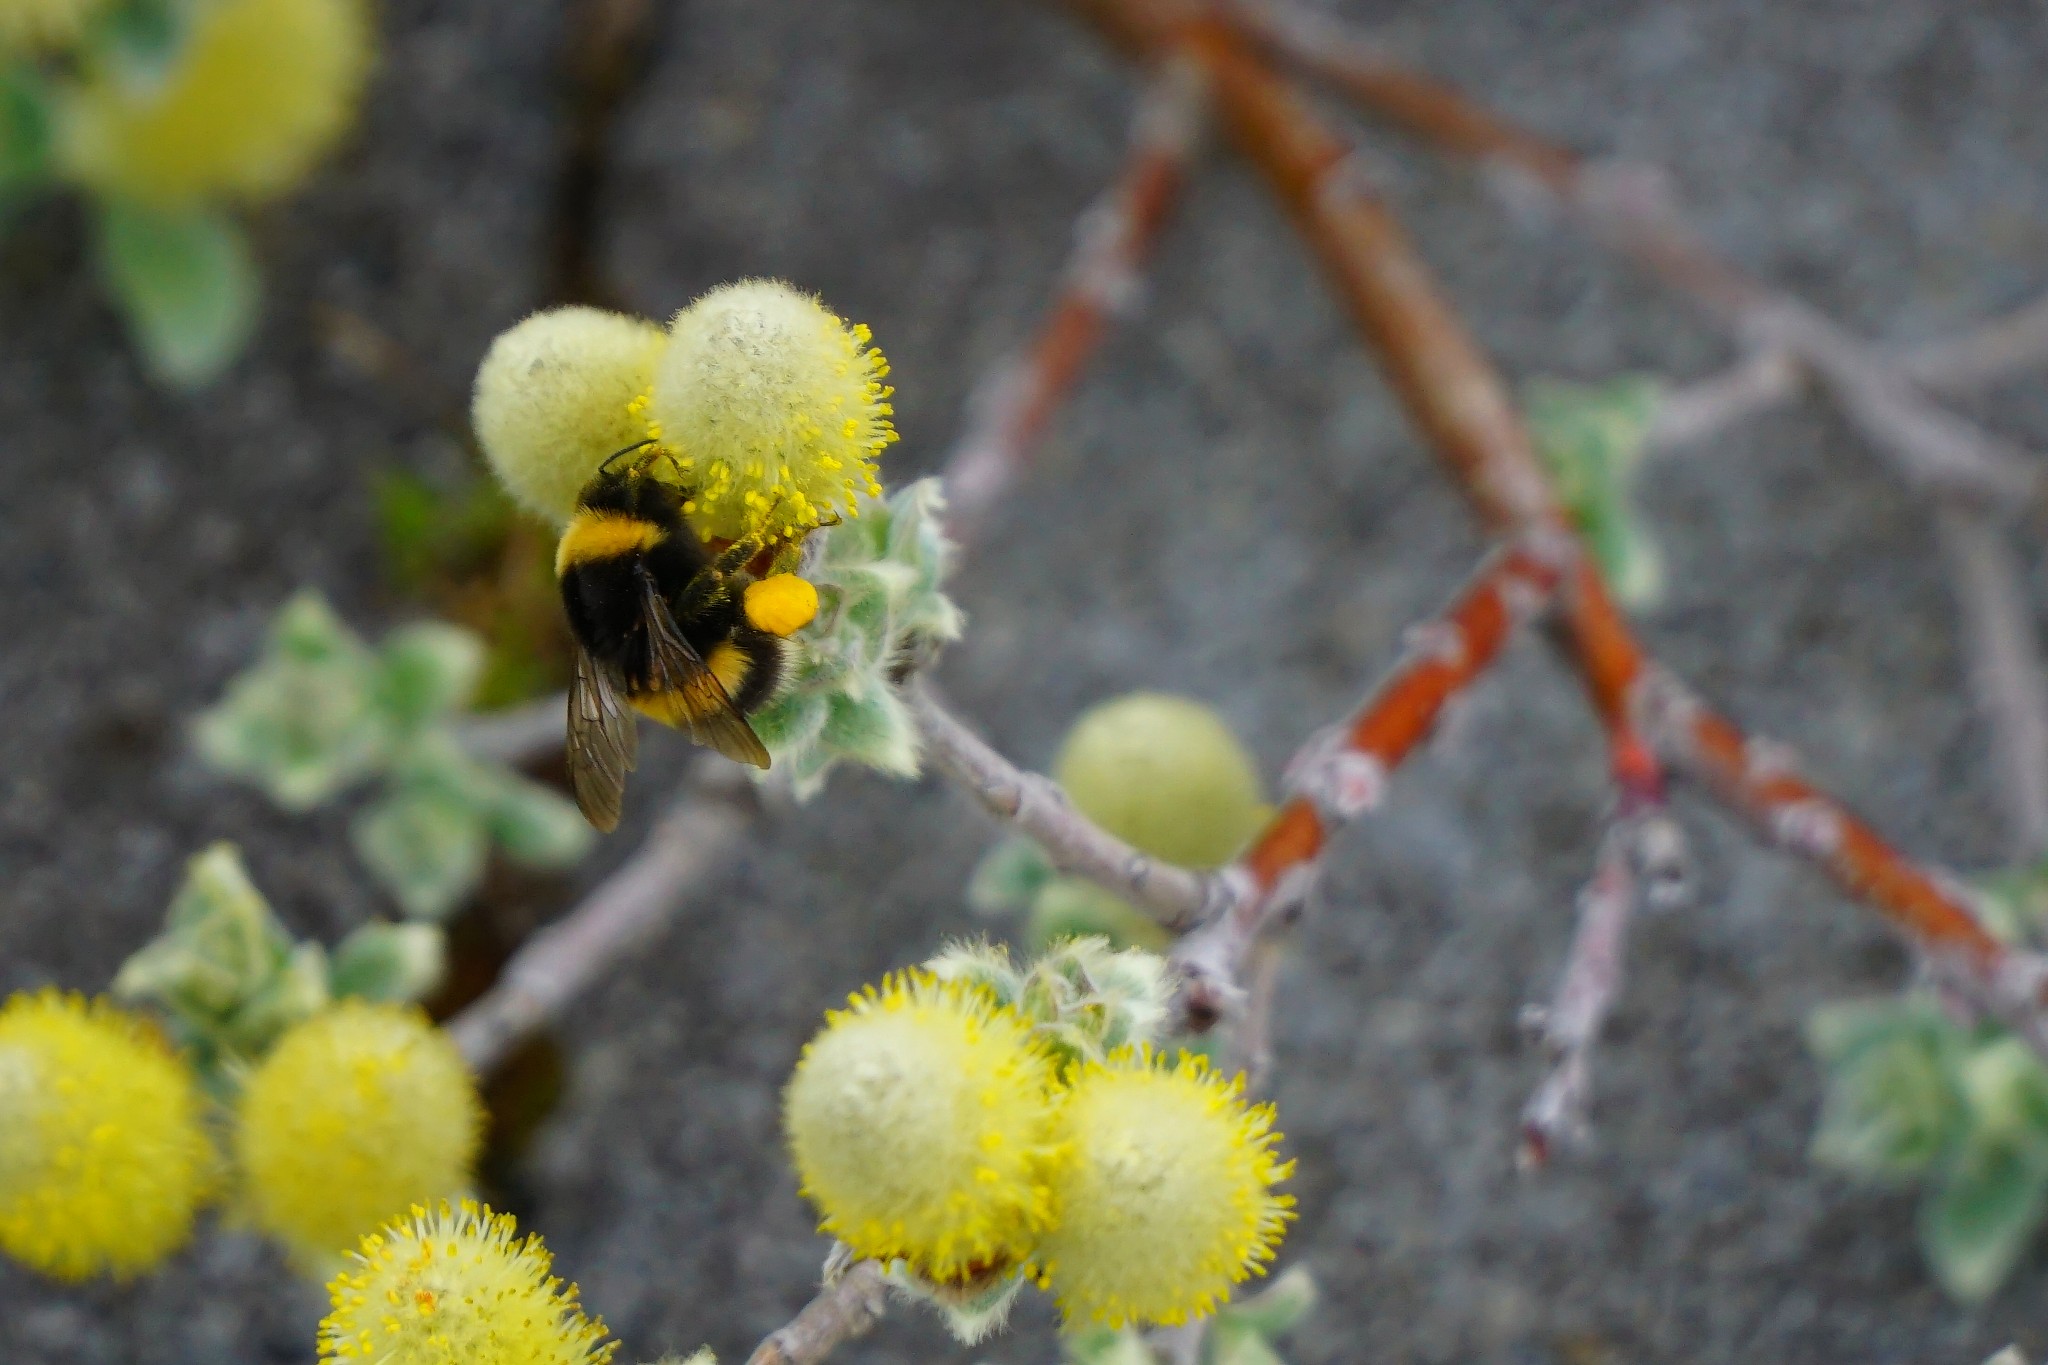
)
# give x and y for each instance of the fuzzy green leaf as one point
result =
(300, 723)
(1275, 1310)
(1108, 1346)
(1593, 436)
(187, 283)
(395, 962)
(793, 720)
(1230, 1345)
(428, 671)
(136, 41)
(223, 968)
(26, 121)
(874, 729)
(1009, 877)
(1070, 907)
(425, 847)
(537, 826)
(1892, 1104)
(1978, 1217)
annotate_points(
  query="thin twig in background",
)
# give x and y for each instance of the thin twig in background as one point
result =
(517, 734)
(1015, 402)
(1634, 208)
(1765, 378)
(848, 1306)
(700, 828)
(1570, 1026)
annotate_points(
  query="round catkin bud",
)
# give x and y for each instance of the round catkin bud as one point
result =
(774, 408)
(354, 1116)
(456, 1285)
(43, 23)
(103, 1155)
(1167, 1199)
(919, 1121)
(259, 91)
(554, 398)
(1164, 774)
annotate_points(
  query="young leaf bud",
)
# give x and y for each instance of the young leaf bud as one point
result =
(1164, 774)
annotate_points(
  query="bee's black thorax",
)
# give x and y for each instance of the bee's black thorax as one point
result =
(629, 531)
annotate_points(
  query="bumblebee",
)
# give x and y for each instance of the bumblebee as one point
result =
(662, 626)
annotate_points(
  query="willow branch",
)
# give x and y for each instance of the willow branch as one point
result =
(1341, 773)
(1634, 208)
(700, 828)
(1016, 402)
(1034, 805)
(847, 1307)
(1453, 393)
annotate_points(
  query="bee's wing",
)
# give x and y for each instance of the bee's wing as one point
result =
(602, 740)
(675, 668)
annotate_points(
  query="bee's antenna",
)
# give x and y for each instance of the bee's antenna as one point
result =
(637, 445)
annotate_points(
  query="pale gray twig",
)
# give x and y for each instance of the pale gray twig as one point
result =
(1569, 1027)
(701, 826)
(1036, 806)
(848, 1306)
(2005, 667)
(518, 733)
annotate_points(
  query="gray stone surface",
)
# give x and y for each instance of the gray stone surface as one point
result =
(1231, 508)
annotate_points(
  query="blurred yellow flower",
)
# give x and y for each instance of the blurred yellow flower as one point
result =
(258, 92)
(103, 1154)
(354, 1116)
(43, 23)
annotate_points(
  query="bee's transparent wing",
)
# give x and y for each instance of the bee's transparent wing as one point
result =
(602, 739)
(675, 669)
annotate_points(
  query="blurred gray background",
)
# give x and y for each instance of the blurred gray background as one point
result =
(1231, 508)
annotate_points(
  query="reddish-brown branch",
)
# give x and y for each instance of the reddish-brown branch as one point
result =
(1453, 393)
(1342, 772)
(1634, 208)
(1015, 404)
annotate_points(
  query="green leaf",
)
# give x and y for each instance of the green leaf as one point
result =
(429, 670)
(1593, 436)
(136, 42)
(395, 962)
(1228, 1345)
(1108, 1346)
(537, 826)
(300, 723)
(1070, 907)
(1978, 1217)
(26, 122)
(1009, 877)
(223, 968)
(874, 729)
(1275, 1310)
(1892, 1104)
(793, 720)
(425, 847)
(187, 282)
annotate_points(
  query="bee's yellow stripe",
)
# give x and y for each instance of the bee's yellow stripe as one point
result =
(728, 663)
(594, 536)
